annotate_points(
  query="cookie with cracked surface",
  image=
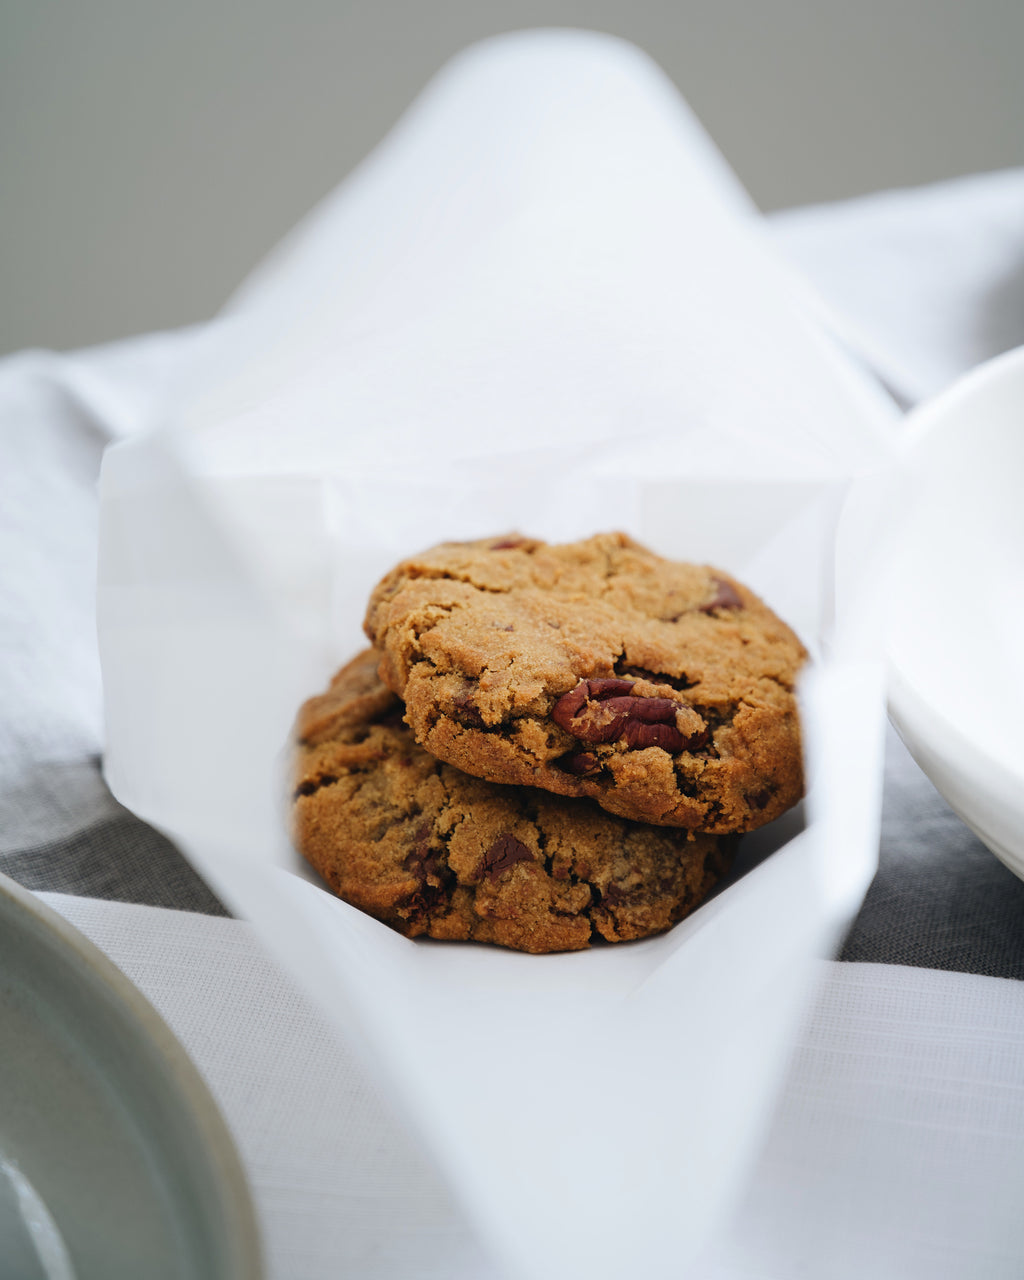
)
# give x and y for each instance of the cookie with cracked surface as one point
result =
(431, 851)
(662, 690)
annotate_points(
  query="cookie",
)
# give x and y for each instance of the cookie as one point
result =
(662, 690)
(432, 851)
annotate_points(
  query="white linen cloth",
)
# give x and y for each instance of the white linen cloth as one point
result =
(895, 1152)
(927, 282)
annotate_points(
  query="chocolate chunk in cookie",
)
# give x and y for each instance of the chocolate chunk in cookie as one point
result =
(662, 690)
(432, 851)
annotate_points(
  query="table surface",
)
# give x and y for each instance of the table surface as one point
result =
(898, 1133)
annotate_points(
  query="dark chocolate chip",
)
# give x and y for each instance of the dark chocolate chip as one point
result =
(428, 900)
(467, 714)
(505, 852)
(726, 597)
(423, 862)
(581, 763)
(436, 879)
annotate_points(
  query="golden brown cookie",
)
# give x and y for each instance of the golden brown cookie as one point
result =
(662, 690)
(430, 850)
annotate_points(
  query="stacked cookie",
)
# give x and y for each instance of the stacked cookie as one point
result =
(547, 745)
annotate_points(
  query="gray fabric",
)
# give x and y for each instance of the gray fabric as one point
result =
(62, 830)
(940, 899)
(123, 860)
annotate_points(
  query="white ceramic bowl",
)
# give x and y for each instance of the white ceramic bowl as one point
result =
(956, 640)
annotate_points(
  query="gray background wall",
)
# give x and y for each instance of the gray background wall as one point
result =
(152, 150)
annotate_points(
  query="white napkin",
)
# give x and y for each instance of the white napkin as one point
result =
(341, 1188)
(894, 1153)
(536, 308)
(896, 1149)
(927, 282)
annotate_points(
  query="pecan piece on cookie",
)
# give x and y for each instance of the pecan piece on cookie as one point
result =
(606, 710)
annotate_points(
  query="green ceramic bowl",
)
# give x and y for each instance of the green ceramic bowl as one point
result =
(114, 1160)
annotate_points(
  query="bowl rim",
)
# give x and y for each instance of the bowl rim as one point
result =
(925, 728)
(903, 692)
(244, 1251)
